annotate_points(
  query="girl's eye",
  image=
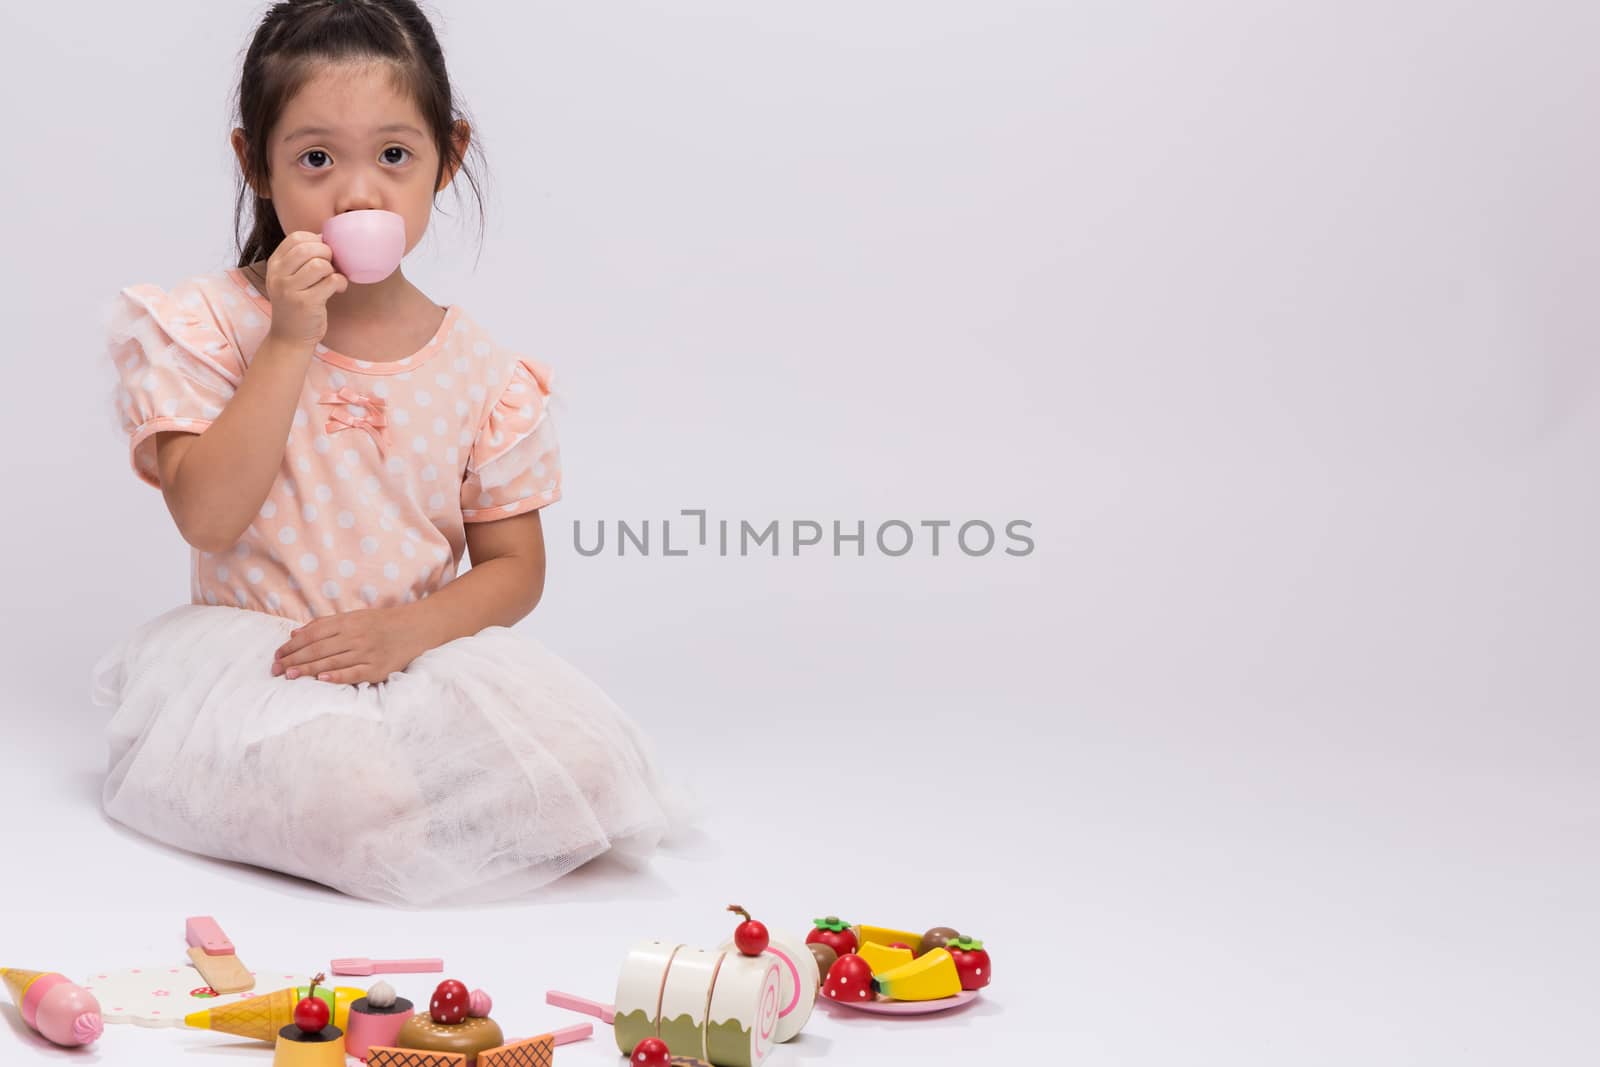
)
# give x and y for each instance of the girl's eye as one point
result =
(395, 148)
(315, 152)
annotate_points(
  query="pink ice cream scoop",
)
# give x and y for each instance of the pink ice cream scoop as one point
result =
(52, 1005)
(367, 245)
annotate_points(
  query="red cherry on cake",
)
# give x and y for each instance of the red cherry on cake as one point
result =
(652, 1052)
(311, 1014)
(850, 978)
(751, 937)
(450, 1003)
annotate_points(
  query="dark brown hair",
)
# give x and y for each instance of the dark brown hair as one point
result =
(296, 37)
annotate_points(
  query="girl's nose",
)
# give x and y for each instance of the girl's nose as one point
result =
(361, 193)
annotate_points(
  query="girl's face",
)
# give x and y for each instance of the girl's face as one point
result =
(349, 141)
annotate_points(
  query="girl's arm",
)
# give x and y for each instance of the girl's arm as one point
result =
(504, 584)
(215, 482)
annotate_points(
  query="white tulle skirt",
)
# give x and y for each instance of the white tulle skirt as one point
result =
(488, 767)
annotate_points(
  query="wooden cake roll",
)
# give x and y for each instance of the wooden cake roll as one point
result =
(684, 1000)
(721, 1007)
(799, 982)
(742, 1024)
(639, 988)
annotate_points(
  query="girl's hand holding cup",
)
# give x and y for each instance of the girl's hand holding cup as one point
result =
(300, 280)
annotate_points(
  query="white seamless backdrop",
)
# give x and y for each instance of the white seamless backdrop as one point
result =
(1276, 322)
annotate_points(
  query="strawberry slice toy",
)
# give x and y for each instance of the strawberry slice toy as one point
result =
(652, 1052)
(835, 933)
(850, 978)
(450, 1003)
(972, 962)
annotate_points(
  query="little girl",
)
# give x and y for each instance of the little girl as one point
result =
(335, 703)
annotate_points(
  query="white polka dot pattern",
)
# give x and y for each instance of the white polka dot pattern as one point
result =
(359, 496)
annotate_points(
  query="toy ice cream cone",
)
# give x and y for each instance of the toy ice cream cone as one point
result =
(17, 982)
(260, 1018)
(54, 1006)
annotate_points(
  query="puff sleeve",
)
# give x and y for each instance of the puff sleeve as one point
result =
(515, 464)
(175, 367)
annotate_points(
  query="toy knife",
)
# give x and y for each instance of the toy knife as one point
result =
(214, 957)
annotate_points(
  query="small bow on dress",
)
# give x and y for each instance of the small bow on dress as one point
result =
(350, 408)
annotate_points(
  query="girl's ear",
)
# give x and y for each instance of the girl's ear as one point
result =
(241, 152)
(460, 136)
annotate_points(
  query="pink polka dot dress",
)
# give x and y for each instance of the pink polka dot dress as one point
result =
(486, 768)
(384, 465)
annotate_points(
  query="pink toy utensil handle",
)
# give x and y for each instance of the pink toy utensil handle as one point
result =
(606, 1013)
(203, 933)
(363, 966)
(424, 966)
(567, 1035)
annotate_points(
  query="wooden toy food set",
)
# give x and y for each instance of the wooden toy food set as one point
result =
(675, 1004)
(311, 1025)
(896, 972)
(679, 1004)
(384, 1030)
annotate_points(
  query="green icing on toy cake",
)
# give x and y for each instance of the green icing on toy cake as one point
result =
(633, 1027)
(684, 1036)
(728, 1044)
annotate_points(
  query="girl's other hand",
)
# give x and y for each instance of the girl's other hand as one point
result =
(300, 279)
(366, 645)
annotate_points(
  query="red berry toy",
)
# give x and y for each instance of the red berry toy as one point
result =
(450, 1003)
(972, 962)
(651, 1052)
(834, 933)
(850, 978)
(751, 937)
(311, 1014)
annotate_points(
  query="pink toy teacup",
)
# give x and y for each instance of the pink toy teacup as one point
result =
(367, 245)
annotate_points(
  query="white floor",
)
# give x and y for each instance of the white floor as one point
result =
(1315, 787)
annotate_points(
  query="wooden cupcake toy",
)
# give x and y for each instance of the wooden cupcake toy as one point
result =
(311, 1040)
(456, 1022)
(376, 1019)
